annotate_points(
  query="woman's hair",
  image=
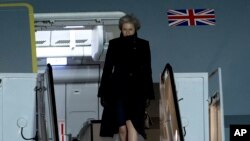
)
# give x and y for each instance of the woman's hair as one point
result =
(129, 18)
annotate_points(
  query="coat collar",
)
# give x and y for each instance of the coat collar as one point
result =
(129, 38)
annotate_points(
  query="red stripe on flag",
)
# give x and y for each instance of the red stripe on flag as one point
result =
(62, 131)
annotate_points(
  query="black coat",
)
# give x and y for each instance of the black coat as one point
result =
(126, 74)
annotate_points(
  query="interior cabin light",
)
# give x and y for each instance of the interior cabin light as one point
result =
(57, 61)
(74, 26)
(56, 52)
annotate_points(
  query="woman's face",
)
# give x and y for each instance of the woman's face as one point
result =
(128, 29)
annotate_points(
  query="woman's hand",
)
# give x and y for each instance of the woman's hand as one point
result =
(103, 102)
(147, 103)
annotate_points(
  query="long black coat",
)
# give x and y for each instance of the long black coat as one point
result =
(126, 74)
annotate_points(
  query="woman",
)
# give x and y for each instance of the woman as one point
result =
(126, 83)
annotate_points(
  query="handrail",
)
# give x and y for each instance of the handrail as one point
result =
(52, 101)
(169, 70)
(167, 67)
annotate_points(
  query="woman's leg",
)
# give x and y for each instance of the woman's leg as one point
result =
(123, 133)
(132, 133)
(121, 117)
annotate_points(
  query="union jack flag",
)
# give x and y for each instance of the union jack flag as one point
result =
(191, 17)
